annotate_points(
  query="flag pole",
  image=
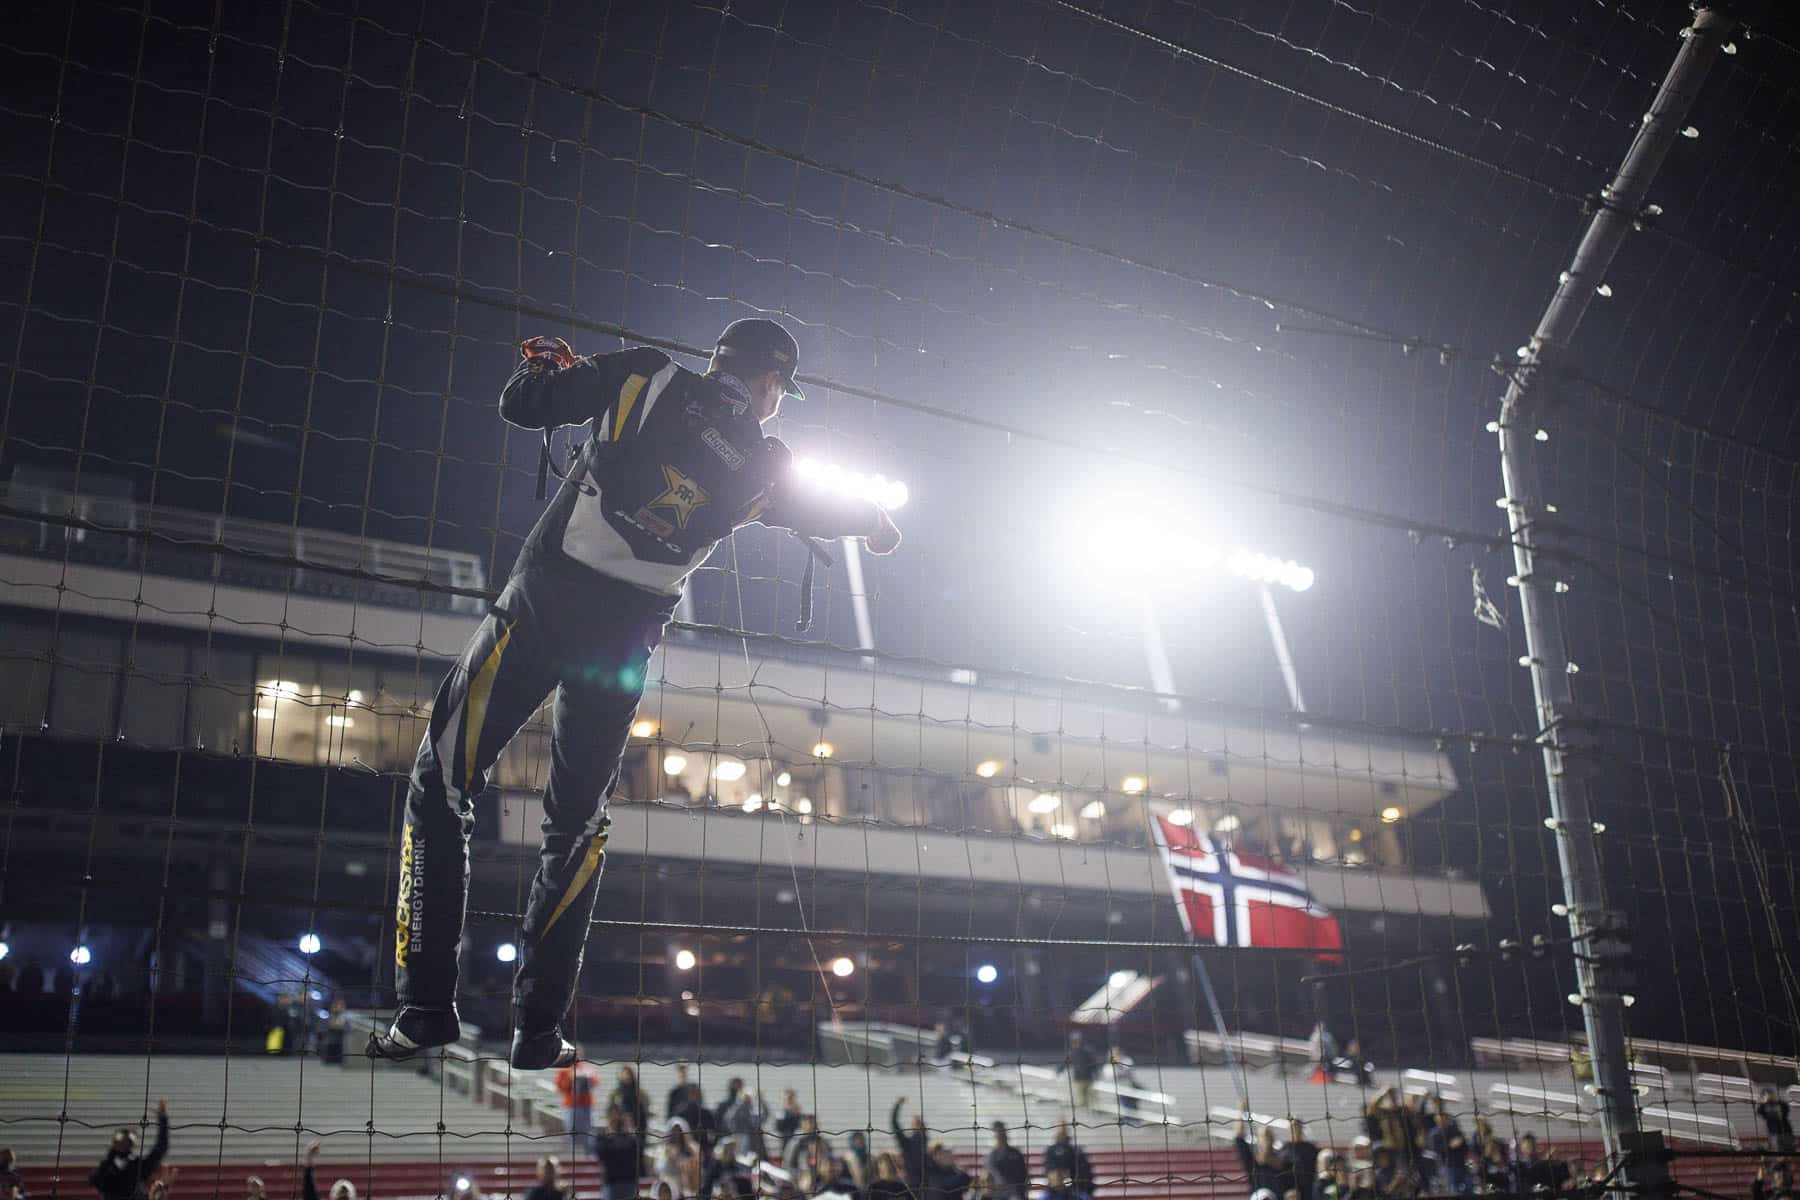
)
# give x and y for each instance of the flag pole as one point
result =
(1231, 1059)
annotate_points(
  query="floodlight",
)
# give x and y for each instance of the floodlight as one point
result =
(1182, 816)
(891, 494)
(310, 944)
(1390, 814)
(1133, 784)
(987, 768)
(81, 956)
(803, 806)
(783, 779)
(643, 729)
(1044, 802)
(823, 750)
(5, 950)
(685, 960)
(842, 967)
(1063, 830)
(1093, 810)
(753, 802)
(674, 764)
(729, 770)
(987, 973)
(506, 952)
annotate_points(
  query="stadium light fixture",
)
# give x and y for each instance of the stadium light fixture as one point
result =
(842, 967)
(310, 944)
(685, 960)
(986, 973)
(1182, 816)
(674, 764)
(1062, 830)
(81, 956)
(1133, 785)
(643, 729)
(729, 770)
(823, 750)
(891, 494)
(1229, 823)
(464, 1183)
(1120, 536)
(506, 952)
(1093, 810)
(1045, 802)
(987, 768)
(753, 802)
(1390, 814)
(783, 779)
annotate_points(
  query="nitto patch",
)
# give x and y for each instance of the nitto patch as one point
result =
(649, 521)
(728, 454)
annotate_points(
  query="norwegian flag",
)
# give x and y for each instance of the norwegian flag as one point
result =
(1230, 898)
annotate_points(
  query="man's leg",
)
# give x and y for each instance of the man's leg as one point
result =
(494, 688)
(590, 723)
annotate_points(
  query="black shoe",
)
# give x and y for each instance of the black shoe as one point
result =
(414, 1030)
(542, 1051)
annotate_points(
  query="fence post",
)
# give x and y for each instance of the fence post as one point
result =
(1601, 942)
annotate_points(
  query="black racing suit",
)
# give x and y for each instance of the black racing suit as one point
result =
(674, 462)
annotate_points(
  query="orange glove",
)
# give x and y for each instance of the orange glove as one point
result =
(552, 348)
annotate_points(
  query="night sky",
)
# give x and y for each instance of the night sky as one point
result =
(1251, 265)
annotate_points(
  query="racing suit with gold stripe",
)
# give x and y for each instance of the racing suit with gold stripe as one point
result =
(673, 463)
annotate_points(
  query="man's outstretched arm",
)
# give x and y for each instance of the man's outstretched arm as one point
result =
(552, 387)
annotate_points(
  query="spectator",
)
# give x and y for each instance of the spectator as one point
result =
(857, 1158)
(342, 1189)
(1388, 1175)
(121, 1175)
(1301, 1158)
(337, 1029)
(809, 1149)
(788, 1123)
(1083, 1067)
(1449, 1150)
(1323, 1049)
(549, 1181)
(678, 1095)
(945, 1178)
(727, 1178)
(1008, 1177)
(913, 1143)
(621, 1158)
(1774, 1181)
(1263, 1167)
(255, 1188)
(1059, 1186)
(741, 1120)
(829, 1183)
(1493, 1172)
(680, 1165)
(1065, 1156)
(664, 1191)
(12, 1187)
(1774, 1114)
(630, 1099)
(1354, 1062)
(1533, 1174)
(1331, 1178)
(577, 1084)
(887, 1184)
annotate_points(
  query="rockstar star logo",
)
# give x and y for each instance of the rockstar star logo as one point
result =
(682, 495)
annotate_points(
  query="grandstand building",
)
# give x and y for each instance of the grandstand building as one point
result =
(258, 718)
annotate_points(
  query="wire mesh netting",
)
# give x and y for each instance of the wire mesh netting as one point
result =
(1179, 776)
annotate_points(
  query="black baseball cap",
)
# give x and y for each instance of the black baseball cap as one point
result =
(757, 344)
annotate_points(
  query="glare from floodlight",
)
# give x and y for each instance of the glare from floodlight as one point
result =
(674, 764)
(1229, 823)
(729, 770)
(5, 950)
(81, 956)
(986, 973)
(1390, 814)
(643, 729)
(685, 960)
(803, 806)
(891, 494)
(1182, 816)
(506, 952)
(1133, 784)
(823, 750)
(463, 1183)
(842, 967)
(1119, 979)
(1093, 810)
(1121, 540)
(753, 802)
(783, 779)
(310, 944)
(1063, 830)
(987, 768)
(1044, 802)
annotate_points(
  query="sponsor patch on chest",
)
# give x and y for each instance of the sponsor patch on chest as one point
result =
(716, 442)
